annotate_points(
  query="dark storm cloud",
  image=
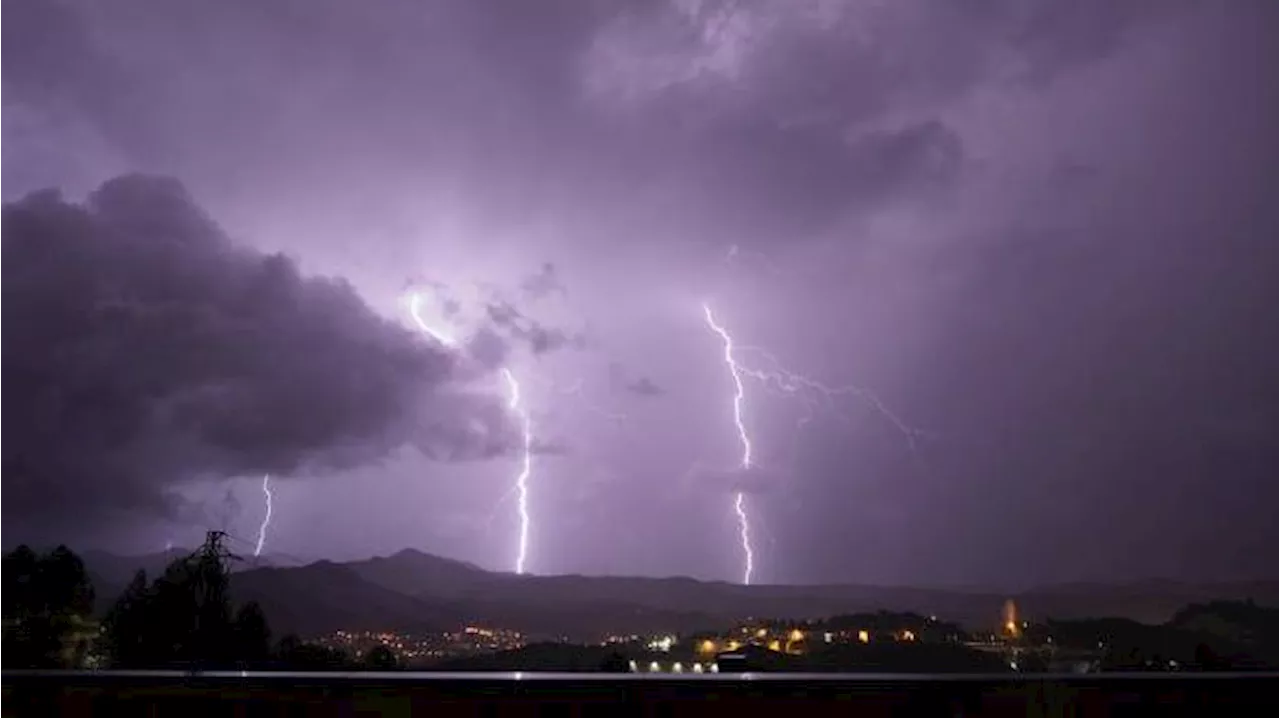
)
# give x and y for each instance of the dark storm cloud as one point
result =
(143, 348)
(543, 284)
(619, 380)
(226, 511)
(787, 140)
(757, 158)
(822, 114)
(539, 338)
(488, 348)
(644, 386)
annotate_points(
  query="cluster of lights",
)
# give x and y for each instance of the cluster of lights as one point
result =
(677, 667)
(434, 645)
(616, 639)
(663, 644)
(790, 640)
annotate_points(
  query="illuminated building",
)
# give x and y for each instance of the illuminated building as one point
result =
(1010, 619)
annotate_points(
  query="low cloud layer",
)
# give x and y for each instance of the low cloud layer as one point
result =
(144, 349)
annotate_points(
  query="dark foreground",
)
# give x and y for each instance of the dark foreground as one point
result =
(345, 694)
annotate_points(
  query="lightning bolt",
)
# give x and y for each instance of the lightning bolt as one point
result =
(739, 393)
(526, 466)
(516, 407)
(781, 380)
(415, 311)
(266, 519)
(778, 379)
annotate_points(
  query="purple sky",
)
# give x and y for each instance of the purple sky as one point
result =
(1041, 232)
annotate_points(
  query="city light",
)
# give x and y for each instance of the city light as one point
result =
(662, 644)
(864, 637)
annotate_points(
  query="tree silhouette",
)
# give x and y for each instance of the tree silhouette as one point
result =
(293, 653)
(184, 618)
(381, 658)
(47, 604)
(616, 663)
(126, 628)
(252, 636)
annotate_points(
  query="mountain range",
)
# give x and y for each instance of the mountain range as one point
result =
(413, 591)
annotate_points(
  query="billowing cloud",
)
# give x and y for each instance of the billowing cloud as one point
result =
(144, 349)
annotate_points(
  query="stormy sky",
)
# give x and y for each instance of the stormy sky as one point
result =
(1036, 236)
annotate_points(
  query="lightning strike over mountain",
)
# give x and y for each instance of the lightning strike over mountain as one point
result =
(781, 380)
(526, 466)
(266, 519)
(739, 393)
(516, 407)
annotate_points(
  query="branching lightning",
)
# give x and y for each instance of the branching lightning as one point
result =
(775, 377)
(516, 407)
(784, 381)
(739, 393)
(266, 519)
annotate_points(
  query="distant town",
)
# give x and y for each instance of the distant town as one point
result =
(187, 617)
(898, 641)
